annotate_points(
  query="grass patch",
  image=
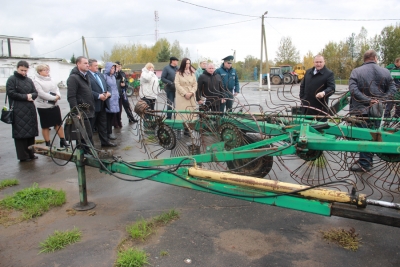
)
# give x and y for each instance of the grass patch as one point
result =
(8, 182)
(142, 228)
(60, 240)
(32, 202)
(131, 258)
(347, 239)
(164, 253)
(127, 148)
(166, 217)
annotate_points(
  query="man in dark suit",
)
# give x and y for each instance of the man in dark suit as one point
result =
(316, 87)
(101, 95)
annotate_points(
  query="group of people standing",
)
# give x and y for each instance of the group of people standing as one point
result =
(369, 85)
(105, 94)
(214, 88)
(25, 96)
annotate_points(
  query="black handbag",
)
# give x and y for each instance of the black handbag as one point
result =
(7, 115)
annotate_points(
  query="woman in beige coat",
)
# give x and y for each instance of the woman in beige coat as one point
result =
(186, 87)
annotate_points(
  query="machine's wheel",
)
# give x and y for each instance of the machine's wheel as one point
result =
(287, 78)
(166, 137)
(296, 80)
(276, 80)
(233, 137)
(129, 91)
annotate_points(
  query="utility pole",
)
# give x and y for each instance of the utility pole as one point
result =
(264, 44)
(156, 19)
(84, 48)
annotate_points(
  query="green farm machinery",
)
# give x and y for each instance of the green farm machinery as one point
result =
(275, 156)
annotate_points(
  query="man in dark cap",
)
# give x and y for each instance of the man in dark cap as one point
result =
(168, 77)
(230, 82)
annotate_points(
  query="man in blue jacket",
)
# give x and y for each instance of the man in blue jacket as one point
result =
(230, 81)
(168, 77)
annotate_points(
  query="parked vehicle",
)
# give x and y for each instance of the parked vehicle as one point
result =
(283, 74)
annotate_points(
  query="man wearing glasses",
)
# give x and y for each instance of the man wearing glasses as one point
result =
(230, 82)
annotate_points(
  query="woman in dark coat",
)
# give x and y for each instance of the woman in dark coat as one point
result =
(21, 93)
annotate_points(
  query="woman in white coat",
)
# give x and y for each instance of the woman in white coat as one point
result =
(149, 86)
(46, 104)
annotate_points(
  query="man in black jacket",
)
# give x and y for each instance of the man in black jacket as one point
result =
(122, 84)
(210, 90)
(101, 96)
(316, 87)
(79, 90)
(168, 77)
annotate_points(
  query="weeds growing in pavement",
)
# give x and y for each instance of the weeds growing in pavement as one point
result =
(32, 202)
(59, 240)
(131, 258)
(142, 229)
(8, 182)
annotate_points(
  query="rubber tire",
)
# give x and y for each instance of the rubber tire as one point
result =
(276, 80)
(288, 79)
(129, 91)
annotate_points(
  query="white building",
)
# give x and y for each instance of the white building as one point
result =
(14, 49)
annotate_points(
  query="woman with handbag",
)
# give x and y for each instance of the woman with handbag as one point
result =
(46, 104)
(22, 93)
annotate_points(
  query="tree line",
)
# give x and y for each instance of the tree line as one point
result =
(341, 57)
(161, 51)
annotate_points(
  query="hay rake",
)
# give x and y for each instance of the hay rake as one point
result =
(271, 155)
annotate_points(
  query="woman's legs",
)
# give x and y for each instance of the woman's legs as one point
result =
(46, 134)
(60, 131)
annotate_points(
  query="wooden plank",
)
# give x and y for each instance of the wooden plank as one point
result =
(379, 215)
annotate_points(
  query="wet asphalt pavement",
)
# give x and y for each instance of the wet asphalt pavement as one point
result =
(211, 231)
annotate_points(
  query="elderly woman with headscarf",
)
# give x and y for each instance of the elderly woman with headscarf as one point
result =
(113, 108)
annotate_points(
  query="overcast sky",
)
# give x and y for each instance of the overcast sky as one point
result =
(54, 25)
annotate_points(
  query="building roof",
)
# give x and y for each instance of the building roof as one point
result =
(140, 66)
(16, 38)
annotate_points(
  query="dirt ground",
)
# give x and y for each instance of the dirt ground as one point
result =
(212, 230)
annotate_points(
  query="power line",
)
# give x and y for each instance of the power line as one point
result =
(110, 37)
(194, 29)
(219, 10)
(330, 19)
(283, 17)
(59, 48)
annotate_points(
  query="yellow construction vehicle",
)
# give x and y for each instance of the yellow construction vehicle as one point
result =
(300, 70)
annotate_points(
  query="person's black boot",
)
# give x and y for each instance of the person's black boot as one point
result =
(63, 143)
(47, 143)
